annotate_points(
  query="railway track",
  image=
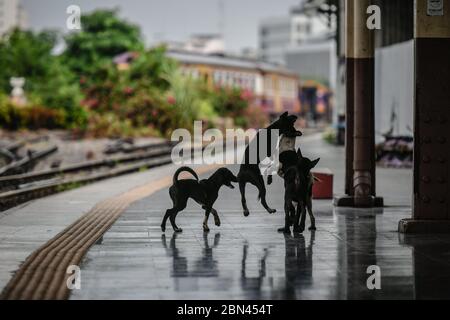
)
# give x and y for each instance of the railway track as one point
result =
(17, 189)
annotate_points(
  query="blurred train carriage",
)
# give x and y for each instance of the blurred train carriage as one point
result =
(273, 88)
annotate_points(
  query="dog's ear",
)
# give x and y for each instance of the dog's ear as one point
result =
(314, 163)
(292, 118)
(299, 153)
(284, 115)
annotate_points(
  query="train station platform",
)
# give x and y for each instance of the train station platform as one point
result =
(244, 258)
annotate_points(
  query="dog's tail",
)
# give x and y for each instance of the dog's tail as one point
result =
(187, 169)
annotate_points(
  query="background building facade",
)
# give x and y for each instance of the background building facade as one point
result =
(274, 89)
(12, 15)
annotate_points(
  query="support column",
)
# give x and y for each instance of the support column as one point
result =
(364, 64)
(360, 136)
(350, 88)
(431, 197)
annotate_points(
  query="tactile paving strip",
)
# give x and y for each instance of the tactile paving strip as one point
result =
(43, 274)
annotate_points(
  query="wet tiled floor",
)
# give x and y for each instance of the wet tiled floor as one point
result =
(246, 258)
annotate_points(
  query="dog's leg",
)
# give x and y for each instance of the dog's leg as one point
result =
(170, 212)
(287, 219)
(311, 215)
(216, 217)
(242, 184)
(262, 194)
(269, 179)
(299, 225)
(166, 216)
(205, 221)
(303, 217)
(292, 214)
(172, 219)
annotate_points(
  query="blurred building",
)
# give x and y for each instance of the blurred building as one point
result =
(272, 87)
(200, 43)
(304, 42)
(12, 15)
(250, 53)
(274, 38)
(277, 35)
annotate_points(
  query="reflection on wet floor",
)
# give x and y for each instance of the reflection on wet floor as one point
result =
(298, 265)
(247, 259)
(204, 266)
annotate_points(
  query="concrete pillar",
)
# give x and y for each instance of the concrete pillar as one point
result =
(364, 101)
(360, 136)
(350, 87)
(431, 197)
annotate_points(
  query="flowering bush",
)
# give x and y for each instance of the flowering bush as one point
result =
(13, 117)
(84, 90)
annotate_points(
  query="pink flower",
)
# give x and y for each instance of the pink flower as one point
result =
(171, 100)
(246, 94)
(128, 90)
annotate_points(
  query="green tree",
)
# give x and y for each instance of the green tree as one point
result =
(49, 82)
(103, 36)
(25, 54)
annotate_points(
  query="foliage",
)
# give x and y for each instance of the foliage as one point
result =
(190, 99)
(103, 36)
(330, 135)
(84, 90)
(9, 115)
(139, 93)
(25, 54)
(229, 101)
(48, 81)
(254, 118)
(30, 116)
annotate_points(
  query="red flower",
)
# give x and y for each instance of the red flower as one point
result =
(90, 103)
(246, 94)
(128, 90)
(171, 100)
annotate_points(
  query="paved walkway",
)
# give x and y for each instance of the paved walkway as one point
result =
(246, 258)
(25, 228)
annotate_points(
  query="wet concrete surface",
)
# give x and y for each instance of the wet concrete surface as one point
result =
(246, 258)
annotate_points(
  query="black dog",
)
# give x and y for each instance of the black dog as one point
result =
(298, 183)
(204, 192)
(250, 172)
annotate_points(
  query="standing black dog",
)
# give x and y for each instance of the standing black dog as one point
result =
(298, 183)
(204, 192)
(249, 171)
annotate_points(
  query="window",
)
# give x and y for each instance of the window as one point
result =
(308, 28)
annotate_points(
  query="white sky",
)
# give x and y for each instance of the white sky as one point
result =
(172, 20)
